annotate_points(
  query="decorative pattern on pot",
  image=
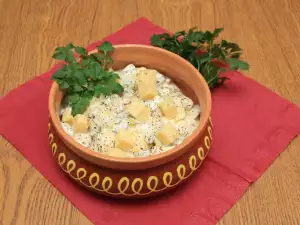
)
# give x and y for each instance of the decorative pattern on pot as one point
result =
(131, 186)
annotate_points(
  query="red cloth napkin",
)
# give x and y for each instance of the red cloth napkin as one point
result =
(252, 125)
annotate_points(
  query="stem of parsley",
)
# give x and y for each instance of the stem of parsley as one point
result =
(200, 49)
(85, 76)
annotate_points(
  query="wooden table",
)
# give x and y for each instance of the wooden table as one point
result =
(267, 30)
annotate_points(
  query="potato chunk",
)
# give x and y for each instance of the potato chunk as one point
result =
(167, 134)
(180, 113)
(194, 112)
(144, 115)
(139, 111)
(67, 116)
(115, 152)
(147, 84)
(168, 108)
(125, 140)
(80, 124)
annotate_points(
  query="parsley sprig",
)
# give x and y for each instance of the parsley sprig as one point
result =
(85, 76)
(201, 49)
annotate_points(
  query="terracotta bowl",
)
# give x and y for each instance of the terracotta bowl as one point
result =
(138, 177)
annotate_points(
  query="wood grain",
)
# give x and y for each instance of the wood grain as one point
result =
(267, 30)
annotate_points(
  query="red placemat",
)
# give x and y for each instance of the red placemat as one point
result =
(252, 125)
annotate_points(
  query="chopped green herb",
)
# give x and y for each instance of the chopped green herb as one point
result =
(85, 76)
(201, 49)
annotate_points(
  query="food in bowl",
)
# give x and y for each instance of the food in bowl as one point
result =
(150, 117)
(137, 177)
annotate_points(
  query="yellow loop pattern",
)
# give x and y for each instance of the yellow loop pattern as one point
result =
(81, 173)
(71, 165)
(106, 184)
(209, 132)
(181, 171)
(120, 184)
(193, 162)
(152, 180)
(140, 183)
(50, 138)
(136, 187)
(207, 142)
(61, 158)
(94, 179)
(201, 153)
(54, 148)
(167, 179)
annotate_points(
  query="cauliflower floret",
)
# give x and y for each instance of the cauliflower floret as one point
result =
(160, 78)
(156, 150)
(67, 128)
(182, 128)
(147, 132)
(156, 123)
(143, 153)
(140, 145)
(179, 140)
(191, 125)
(130, 68)
(120, 126)
(103, 141)
(167, 148)
(128, 77)
(182, 101)
(177, 101)
(156, 113)
(94, 129)
(157, 99)
(187, 103)
(194, 112)
(83, 138)
(152, 105)
(127, 100)
(130, 93)
(114, 103)
(94, 110)
(168, 81)
(105, 119)
(164, 92)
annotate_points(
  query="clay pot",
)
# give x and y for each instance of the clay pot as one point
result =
(138, 177)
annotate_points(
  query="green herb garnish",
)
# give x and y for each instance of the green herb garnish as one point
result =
(85, 76)
(203, 52)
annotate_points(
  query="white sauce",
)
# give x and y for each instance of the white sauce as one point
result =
(107, 116)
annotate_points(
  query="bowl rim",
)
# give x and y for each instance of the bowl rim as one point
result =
(140, 162)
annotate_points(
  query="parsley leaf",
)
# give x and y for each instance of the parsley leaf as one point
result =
(82, 51)
(80, 106)
(73, 98)
(202, 50)
(97, 57)
(63, 84)
(236, 64)
(85, 77)
(106, 47)
(59, 74)
(79, 75)
(157, 40)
